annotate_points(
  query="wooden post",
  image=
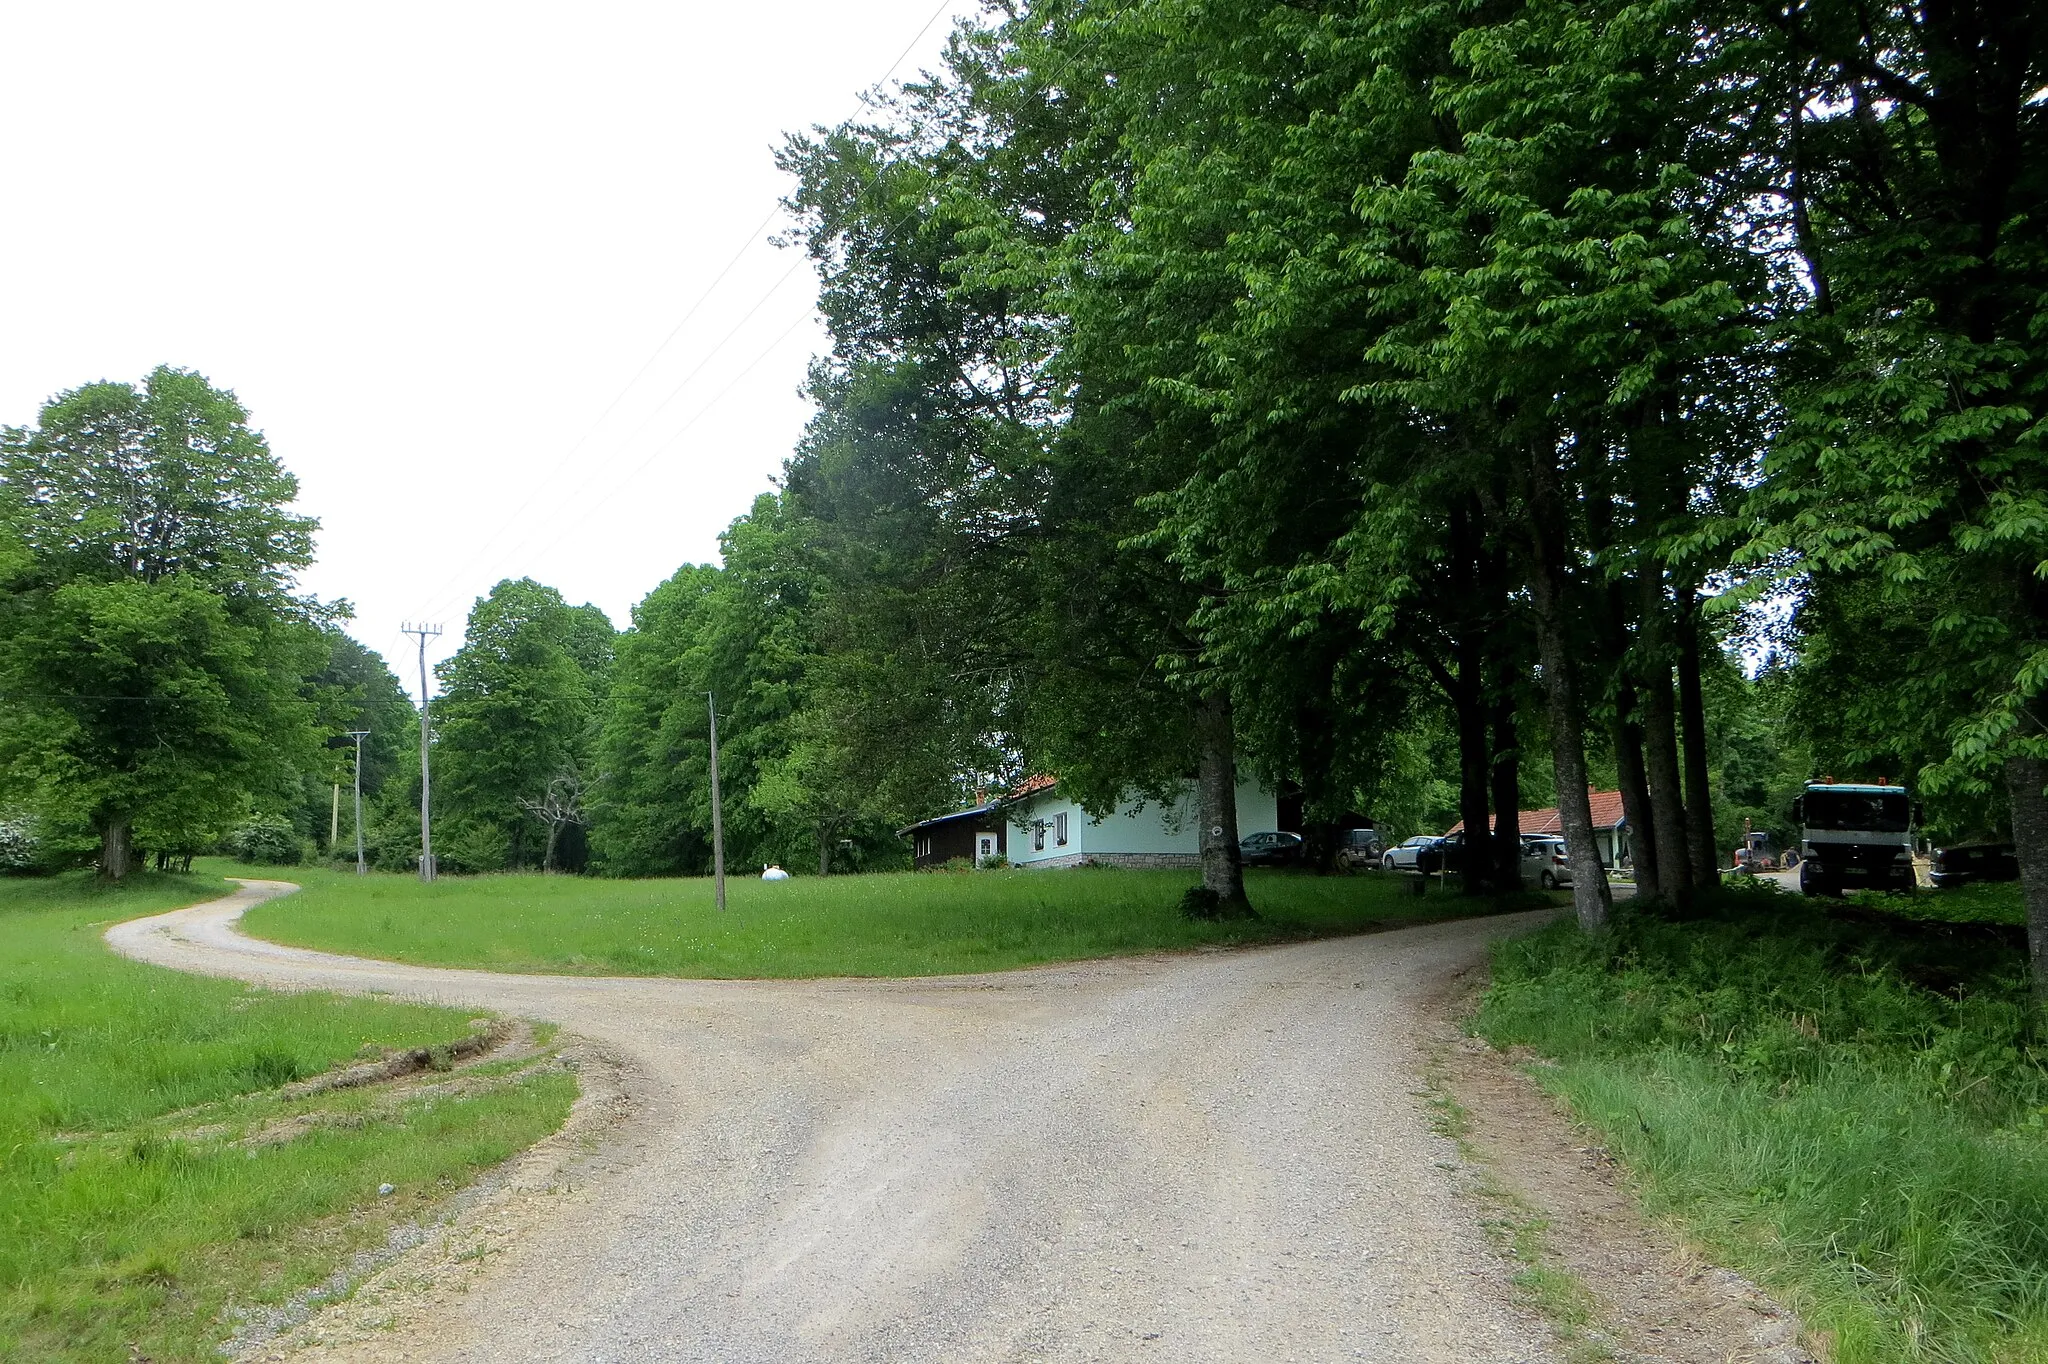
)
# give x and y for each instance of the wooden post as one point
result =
(717, 812)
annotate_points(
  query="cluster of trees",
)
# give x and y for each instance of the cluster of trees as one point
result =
(1229, 382)
(1356, 394)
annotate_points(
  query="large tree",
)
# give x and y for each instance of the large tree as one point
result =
(153, 651)
(521, 703)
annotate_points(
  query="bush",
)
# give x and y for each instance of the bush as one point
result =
(266, 841)
(20, 849)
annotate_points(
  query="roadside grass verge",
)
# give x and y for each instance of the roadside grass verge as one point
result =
(893, 924)
(153, 1180)
(1852, 1109)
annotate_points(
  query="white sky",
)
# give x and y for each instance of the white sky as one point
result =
(427, 245)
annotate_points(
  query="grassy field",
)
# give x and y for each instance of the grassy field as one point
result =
(1852, 1107)
(136, 1212)
(902, 924)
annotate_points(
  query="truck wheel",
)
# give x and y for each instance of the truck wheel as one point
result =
(1549, 881)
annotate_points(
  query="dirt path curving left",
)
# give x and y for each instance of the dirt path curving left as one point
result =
(1218, 1156)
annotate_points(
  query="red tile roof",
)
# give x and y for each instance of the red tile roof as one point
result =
(1606, 814)
(1031, 786)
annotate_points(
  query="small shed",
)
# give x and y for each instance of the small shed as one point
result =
(973, 835)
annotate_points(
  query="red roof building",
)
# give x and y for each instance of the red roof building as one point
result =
(1610, 826)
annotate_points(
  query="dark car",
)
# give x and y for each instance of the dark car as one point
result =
(1358, 848)
(1272, 850)
(1968, 862)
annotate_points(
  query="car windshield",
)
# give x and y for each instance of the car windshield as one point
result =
(1888, 813)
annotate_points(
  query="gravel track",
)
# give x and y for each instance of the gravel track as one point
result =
(1209, 1157)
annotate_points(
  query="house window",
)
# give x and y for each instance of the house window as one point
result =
(1059, 828)
(1038, 836)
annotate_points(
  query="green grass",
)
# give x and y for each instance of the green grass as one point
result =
(1853, 1109)
(900, 924)
(133, 1218)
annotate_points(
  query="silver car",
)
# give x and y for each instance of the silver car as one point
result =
(1545, 863)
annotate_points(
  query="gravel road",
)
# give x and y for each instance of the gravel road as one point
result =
(1210, 1157)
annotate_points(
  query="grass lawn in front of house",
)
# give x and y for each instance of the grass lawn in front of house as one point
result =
(884, 924)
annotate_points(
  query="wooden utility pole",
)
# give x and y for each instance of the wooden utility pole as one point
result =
(425, 633)
(359, 735)
(717, 812)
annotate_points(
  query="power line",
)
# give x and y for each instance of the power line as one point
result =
(563, 530)
(560, 465)
(717, 350)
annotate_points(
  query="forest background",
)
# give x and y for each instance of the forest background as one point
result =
(1437, 407)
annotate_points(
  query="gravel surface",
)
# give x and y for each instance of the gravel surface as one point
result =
(1210, 1157)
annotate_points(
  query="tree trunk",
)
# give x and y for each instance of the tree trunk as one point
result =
(1692, 723)
(1216, 805)
(1635, 793)
(116, 851)
(1667, 801)
(1507, 797)
(825, 850)
(1548, 586)
(547, 861)
(2024, 780)
(1474, 777)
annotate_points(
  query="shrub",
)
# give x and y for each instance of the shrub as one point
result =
(266, 841)
(20, 849)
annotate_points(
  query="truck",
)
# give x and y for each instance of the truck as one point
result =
(1853, 836)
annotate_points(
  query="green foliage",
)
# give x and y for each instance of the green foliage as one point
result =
(1852, 1107)
(266, 841)
(152, 656)
(520, 708)
(131, 1216)
(20, 848)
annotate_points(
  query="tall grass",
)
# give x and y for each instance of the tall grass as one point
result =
(131, 1213)
(1853, 1108)
(903, 924)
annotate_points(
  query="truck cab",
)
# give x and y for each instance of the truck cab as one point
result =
(1854, 837)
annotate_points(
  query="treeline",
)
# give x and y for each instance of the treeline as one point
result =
(1247, 383)
(1357, 394)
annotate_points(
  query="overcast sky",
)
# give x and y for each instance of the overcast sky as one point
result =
(430, 246)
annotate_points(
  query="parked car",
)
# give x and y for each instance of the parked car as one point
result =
(1447, 856)
(1359, 848)
(1545, 863)
(1969, 862)
(1411, 854)
(1272, 849)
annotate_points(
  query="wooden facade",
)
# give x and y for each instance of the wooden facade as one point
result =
(936, 842)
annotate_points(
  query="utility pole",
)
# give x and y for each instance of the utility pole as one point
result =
(717, 812)
(425, 633)
(362, 868)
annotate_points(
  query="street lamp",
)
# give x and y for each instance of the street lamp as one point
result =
(359, 735)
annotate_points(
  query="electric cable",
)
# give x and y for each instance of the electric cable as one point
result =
(442, 597)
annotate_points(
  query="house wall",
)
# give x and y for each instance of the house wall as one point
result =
(1133, 836)
(939, 843)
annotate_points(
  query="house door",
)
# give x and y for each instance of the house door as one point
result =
(984, 848)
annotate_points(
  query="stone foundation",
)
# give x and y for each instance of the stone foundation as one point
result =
(1133, 861)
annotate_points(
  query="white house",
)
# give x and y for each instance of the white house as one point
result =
(1048, 830)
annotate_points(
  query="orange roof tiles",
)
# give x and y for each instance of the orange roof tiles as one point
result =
(1606, 815)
